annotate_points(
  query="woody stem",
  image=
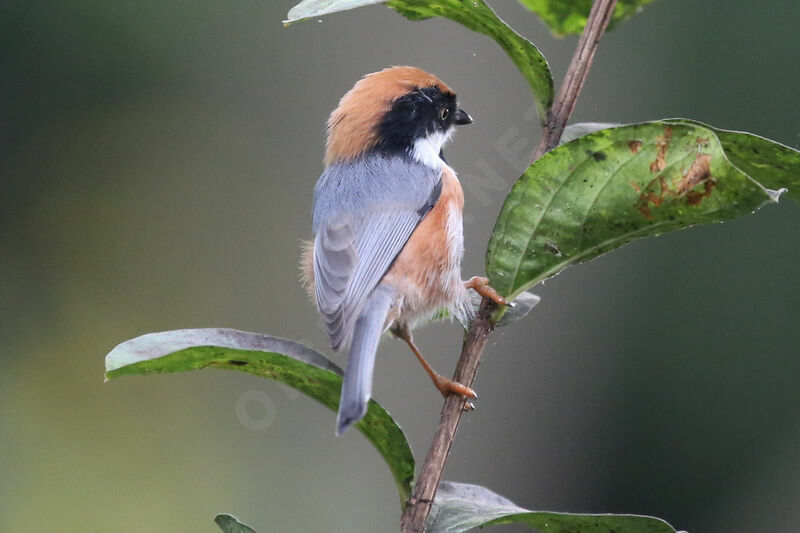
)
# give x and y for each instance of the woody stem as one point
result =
(418, 506)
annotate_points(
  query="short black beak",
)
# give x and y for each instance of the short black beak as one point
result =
(463, 118)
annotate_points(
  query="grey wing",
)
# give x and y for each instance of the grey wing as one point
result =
(335, 260)
(361, 226)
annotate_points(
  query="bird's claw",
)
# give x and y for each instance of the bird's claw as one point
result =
(481, 286)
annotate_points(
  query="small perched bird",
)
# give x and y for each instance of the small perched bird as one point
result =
(387, 225)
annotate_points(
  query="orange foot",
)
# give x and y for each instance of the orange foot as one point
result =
(482, 287)
(448, 386)
(444, 385)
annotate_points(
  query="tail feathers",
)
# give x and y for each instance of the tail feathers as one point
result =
(357, 384)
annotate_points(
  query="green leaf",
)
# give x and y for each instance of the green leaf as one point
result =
(229, 524)
(460, 507)
(565, 17)
(288, 362)
(473, 14)
(773, 164)
(598, 192)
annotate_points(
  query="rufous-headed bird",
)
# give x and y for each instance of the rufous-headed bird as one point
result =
(387, 225)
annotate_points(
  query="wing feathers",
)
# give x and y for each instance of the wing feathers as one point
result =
(364, 213)
(335, 261)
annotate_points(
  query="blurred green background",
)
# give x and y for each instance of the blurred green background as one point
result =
(157, 162)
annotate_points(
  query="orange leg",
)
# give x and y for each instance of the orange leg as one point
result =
(445, 386)
(482, 287)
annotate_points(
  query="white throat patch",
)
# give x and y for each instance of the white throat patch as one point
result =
(426, 150)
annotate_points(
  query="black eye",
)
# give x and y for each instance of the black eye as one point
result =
(444, 113)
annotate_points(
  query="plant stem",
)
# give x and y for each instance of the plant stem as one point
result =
(418, 507)
(559, 114)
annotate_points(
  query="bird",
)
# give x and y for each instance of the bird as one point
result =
(388, 226)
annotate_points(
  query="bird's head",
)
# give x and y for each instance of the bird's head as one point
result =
(398, 110)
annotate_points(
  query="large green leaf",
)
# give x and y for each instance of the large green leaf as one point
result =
(475, 15)
(282, 360)
(598, 192)
(460, 507)
(565, 17)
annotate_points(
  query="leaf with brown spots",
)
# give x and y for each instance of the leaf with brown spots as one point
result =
(287, 362)
(772, 164)
(653, 178)
(686, 186)
(662, 141)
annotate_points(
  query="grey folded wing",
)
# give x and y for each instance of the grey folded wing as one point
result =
(364, 213)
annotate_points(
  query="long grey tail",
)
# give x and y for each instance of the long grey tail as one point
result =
(357, 384)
